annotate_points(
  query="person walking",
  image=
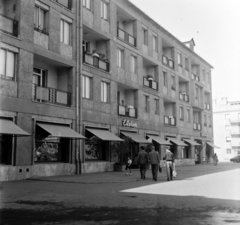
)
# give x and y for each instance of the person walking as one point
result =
(215, 159)
(128, 167)
(142, 160)
(154, 160)
(169, 163)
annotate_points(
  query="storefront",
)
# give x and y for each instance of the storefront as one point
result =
(159, 144)
(137, 140)
(98, 153)
(8, 133)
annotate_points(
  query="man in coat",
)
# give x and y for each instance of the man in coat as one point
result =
(154, 160)
(142, 160)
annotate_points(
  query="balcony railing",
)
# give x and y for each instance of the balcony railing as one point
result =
(235, 132)
(170, 120)
(196, 126)
(168, 62)
(123, 35)
(66, 3)
(95, 61)
(128, 111)
(207, 106)
(195, 77)
(184, 97)
(8, 25)
(51, 95)
(237, 120)
(150, 83)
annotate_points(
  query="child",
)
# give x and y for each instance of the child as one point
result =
(128, 167)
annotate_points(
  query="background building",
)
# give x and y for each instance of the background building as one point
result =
(103, 69)
(226, 120)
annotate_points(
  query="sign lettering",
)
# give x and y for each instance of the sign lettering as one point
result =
(128, 123)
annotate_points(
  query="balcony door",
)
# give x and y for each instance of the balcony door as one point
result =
(40, 92)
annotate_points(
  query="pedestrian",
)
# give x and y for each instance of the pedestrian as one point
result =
(169, 163)
(128, 167)
(142, 160)
(154, 160)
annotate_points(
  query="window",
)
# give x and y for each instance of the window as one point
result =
(196, 93)
(133, 64)
(188, 115)
(186, 64)
(87, 87)
(87, 4)
(227, 116)
(181, 115)
(145, 35)
(209, 121)
(179, 58)
(155, 45)
(39, 77)
(65, 3)
(156, 106)
(104, 10)
(86, 46)
(104, 91)
(40, 19)
(205, 120)
(164, 78)
(120, 58)
(203, 74)
(228, 151)
(65, 30)
(173, 83)
(7, 64)
(146, 103)
(227, 127)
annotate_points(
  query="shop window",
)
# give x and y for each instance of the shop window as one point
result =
(95, 148)
(6, 149)
(50, 149)
(7, 64)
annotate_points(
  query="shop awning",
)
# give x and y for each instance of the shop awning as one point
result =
(10, 128)
(159, 140)
(60, 131)
(135, 137)
(177, 142)
(211, 144)
(105, 135)
(193, 143)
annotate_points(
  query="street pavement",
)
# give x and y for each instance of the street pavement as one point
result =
(201, 194)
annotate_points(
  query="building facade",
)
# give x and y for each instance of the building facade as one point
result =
(78, 77)
(226, 120)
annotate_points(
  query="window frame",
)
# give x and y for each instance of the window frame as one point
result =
(188, 119)
(85, 88)
(120, 53)
(156, 105)
(165, 83)
(37, 27)
(87, 6)
(181, 113)
(179, 59)
(62, 33)
(4, 76)
(155, 42)
(133, 61)
(147, 103)
(145, 35)
(105, 92)
(104, 10)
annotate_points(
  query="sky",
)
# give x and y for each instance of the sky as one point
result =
(215, 27)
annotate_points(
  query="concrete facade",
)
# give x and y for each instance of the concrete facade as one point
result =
(226, 120)
(166, 76)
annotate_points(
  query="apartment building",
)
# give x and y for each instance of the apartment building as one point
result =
(226, 120)
(78, 77)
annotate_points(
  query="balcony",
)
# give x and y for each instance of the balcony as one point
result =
(183, 97)
(128, 111)
(167, 62)
(207, 106)
(237, 120)
(148, 82)
(9, 25)
(196, 126)
(195, 77)
(51, 95)
(65, 3)
(124, 36)
(169, 120)
(235, 133)
(96, 61)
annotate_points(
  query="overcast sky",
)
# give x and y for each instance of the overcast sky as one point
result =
(215, 27)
